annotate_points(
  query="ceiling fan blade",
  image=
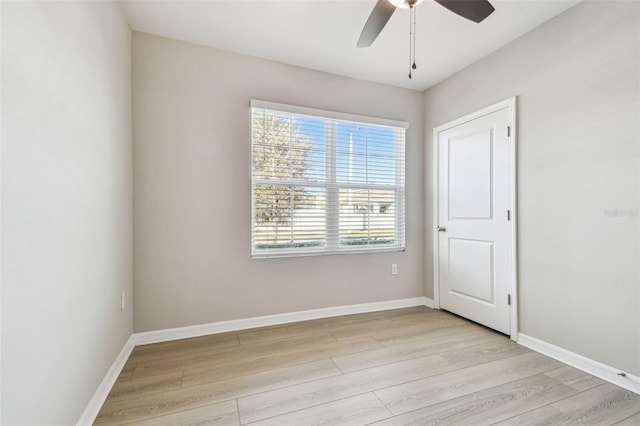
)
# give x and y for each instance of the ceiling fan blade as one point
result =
(380, 14)
(474, 10)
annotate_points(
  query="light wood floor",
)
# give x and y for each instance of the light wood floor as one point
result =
(408, 366)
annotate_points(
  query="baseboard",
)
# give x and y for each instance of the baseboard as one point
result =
(158, 336)
(595, 368)
(428, 302)
(100, 396)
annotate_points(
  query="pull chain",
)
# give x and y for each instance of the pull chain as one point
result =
(412, 39)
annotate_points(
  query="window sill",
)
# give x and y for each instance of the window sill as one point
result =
(277, 254)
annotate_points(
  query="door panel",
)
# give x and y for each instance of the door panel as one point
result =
(470, 176)
(473, 199)
(471, 269)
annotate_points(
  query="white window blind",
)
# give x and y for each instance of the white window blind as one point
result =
(325, 182)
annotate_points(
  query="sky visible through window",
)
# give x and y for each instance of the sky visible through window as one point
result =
(364, 153)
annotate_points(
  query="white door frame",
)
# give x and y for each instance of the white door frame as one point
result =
(510, 104)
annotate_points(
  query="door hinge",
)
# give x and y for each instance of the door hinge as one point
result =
(509, 299)
(508, 214)
(508, 131)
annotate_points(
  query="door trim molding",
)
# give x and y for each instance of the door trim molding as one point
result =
(510, 105)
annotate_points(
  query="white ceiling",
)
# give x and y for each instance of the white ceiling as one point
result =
(322, 34)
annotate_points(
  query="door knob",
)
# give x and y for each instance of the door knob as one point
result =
(442, 229)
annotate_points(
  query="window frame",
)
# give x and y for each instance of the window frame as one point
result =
(332, 186)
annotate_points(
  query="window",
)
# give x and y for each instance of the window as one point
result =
(325, 182)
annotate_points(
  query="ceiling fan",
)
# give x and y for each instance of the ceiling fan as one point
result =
(474, 10)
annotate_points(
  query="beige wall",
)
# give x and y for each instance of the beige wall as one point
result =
(192, 176)
(67, 179)
(66, 204)
(577, 78)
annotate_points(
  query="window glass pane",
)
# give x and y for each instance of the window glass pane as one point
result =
(325, 185)
(367, 217)
(365, 154)
(283, 147)
(288, 217)
(350, 142)
(351, 168)
(351, 137)
(312, 129)
(381, 170)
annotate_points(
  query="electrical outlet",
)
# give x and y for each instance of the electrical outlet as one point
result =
(394, 269)
(123, 300)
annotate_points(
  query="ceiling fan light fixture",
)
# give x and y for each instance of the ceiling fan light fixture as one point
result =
(405, 4)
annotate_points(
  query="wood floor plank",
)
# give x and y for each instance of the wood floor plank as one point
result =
(350, 325)
(432, 390)
(182, 348)
(381, 330)
(274, 403)
(391, 314)
(630, 421)
(364, 329)
(145, 386)
(461, 338)
(488, 406)
(357, 410)
(127, 371)
(282, 334)
(487, 351)
(211, 359)
(218, 339)
(417, 312)
(543, 416)
(420, 333)
(313, 352)
(220, 414)
(415, 317)
(364, 321)
(575, 378)
(604, 404)
(135, 409)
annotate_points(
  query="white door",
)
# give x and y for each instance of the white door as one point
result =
(474, 233)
